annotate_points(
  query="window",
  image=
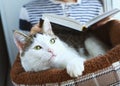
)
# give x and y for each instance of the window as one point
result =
(116, 4)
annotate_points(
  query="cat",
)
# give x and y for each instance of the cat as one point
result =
(46, 50)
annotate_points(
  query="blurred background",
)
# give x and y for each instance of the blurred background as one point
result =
(9, 21)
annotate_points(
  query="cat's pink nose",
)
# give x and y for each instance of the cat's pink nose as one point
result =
(49, 50)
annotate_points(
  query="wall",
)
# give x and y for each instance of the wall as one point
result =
(9, 10)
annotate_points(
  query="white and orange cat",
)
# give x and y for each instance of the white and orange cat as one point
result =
(44, 51)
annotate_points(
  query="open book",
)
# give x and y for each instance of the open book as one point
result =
(76, 25)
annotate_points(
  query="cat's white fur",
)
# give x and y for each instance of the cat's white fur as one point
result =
(56, 55)
(95, 47)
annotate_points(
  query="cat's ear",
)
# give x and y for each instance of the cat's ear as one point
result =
(47, 28)
(20, 39)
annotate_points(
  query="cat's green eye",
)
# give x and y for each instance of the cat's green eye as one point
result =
(52, 41)
(37, 47)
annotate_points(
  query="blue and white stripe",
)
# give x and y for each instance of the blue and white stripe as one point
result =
(82, 12)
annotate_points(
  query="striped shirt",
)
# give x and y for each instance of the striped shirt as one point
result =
(81, 11)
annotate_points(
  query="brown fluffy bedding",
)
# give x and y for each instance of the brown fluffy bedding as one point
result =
(19, 76)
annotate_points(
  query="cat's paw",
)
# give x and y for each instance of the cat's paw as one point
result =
(75, 68)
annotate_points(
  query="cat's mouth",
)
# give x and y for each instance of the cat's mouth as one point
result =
(52, 56)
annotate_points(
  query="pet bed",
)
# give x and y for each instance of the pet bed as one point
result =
(102, 70)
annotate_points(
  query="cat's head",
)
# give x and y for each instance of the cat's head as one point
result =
(39, 48)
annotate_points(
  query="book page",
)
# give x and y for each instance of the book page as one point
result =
(65, 21)
(76, 25)
(101, 17)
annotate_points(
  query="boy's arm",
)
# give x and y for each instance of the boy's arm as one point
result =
(24, 20)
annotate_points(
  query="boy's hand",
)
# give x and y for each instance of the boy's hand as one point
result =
(35, 29)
